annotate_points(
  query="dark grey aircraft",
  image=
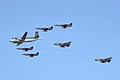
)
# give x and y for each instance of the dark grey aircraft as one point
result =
(104, 60)
(64, 25)
(32, 54)
(25, 49)
(63, 44)
(45, 29)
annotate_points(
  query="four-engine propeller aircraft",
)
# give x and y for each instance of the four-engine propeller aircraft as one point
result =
(25, 39)
(32, 54)
(25, 49)
(63, 44)
(45, 29)
(104, 60)
(64, 25)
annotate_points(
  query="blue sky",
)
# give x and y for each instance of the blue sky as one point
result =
(95, 34)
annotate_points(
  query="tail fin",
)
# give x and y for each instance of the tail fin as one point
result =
(70, 42)
(31, 47)
(37, 53)
(110, 57)
(51, 27)
(70, 24)
(36, 34)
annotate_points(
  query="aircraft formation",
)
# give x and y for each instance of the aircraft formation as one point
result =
(19, 40)
(24, 38)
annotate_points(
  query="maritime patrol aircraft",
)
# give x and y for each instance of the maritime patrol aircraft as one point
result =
(19, 40)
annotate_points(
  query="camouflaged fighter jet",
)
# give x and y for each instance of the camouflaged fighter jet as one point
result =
(104, 60)
(63, 44)
(64, 25)
(45, 29)
(32, 54)
(25, 49)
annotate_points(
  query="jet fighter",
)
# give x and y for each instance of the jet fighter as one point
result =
(32, 54)
(104, 60)
(63, 44)
(64, 25)
(45, 29)
(25, 49)
(25, 39)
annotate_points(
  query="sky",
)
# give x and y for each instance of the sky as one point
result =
(94, 34)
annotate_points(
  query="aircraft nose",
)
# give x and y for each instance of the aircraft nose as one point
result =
(54, 43)
(10, 40)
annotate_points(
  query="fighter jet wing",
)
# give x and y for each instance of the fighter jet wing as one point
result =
(22, 39)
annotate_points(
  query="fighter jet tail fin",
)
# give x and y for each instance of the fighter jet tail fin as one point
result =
(71, 24)
(37, 53)
(110, 57)
(31, 47)
(51, 27)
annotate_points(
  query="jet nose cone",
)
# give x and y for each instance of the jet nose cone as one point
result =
(36, 28)
(55, 44)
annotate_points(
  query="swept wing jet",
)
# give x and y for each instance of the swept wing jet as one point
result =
(25, 49)
(104, 60)
(25, 39)
(63, 44)
(64, 25)
(45, 29)
(31, 54)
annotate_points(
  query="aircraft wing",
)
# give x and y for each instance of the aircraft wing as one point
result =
(22, 39)
(19, 43)
(24, 36)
